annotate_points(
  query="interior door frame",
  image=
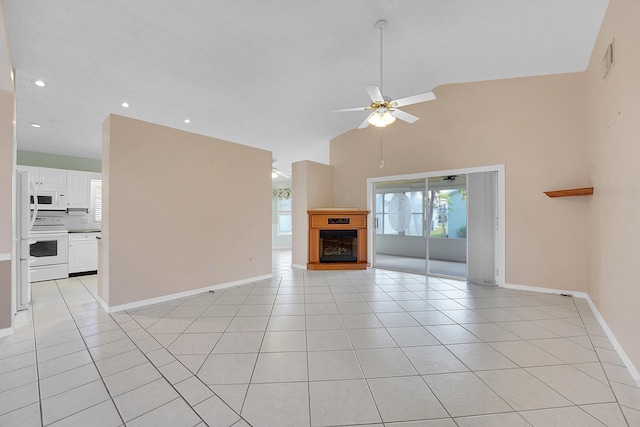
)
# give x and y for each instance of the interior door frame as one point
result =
(500, 219)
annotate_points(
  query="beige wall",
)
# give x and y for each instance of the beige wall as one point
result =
(175, 202)
(7, 157)
(613, 137)
(312, 187)
(534, 126)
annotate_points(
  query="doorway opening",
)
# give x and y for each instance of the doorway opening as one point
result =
(440, 223)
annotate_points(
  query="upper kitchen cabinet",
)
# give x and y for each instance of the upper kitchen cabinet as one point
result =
(78, 189)
(47, 178)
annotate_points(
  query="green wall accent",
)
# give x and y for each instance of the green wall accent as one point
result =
(58, 161)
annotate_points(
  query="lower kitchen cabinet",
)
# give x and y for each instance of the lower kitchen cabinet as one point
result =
(83, 252)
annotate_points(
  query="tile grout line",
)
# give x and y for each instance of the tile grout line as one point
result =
(90, 354)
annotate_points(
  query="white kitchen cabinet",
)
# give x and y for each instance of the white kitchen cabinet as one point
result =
(83, 252)
(78, 189)
(47, 178)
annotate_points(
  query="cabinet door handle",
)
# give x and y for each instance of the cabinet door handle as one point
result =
(98, 237)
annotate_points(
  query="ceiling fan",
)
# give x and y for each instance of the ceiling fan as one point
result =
(275, 173)
(385, 111)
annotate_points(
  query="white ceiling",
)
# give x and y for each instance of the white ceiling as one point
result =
(266, 73)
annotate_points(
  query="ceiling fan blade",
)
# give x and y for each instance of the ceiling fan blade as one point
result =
(374, 93)
(429, 96)
(344, 110)
(406, 117)
(365, 123)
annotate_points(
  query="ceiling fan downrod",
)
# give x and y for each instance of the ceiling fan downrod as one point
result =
(381, 25)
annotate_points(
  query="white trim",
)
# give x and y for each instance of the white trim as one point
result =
(184, 294)
(616, 345)
(299, 266)
(545, 290)
(5, 256)
(6, 331)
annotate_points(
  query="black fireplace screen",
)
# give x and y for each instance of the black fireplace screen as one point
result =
(338, 246)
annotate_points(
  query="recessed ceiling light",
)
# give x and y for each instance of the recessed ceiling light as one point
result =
(35, 125)
(187, 121)
(125, 104)
(39, 83)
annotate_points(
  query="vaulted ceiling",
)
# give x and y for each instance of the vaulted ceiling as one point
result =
(266, 73)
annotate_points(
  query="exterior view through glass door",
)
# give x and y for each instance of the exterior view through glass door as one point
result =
(400, 212)
(447, 225)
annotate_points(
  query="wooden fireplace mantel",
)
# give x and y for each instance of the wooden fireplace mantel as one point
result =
(337, 219)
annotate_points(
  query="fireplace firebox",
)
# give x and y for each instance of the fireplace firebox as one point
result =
(337, 239)
(338, 245)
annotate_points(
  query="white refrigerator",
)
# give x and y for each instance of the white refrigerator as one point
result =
(24, 223)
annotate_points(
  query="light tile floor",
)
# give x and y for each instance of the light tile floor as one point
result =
(309, 348)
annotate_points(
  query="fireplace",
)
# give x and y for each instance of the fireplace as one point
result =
(338, 245)
(337, 239)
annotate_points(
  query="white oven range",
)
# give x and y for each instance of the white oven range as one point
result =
(48, 249)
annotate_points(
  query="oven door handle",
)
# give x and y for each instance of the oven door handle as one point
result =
(35, 205)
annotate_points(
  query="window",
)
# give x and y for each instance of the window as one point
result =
(448, 213)
(384, 211)
(96, 199)
(284, 217)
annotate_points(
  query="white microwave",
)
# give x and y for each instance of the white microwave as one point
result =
(48, 200)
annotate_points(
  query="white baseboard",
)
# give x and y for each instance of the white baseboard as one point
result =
(616, 345)
(184, 294)
(6, 331)
(299, 266)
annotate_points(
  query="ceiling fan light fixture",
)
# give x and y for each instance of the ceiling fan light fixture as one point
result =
(381, 118)
(274, 173)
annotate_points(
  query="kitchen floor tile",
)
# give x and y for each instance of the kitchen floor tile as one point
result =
(277, 405)
(578, 387)
(196, 343)
(463, 394)
(193, 390)
(208, 324)
(328, 340)
(370, 338)
(480, 356)
(522, 390)
(280, 367)
(384, 362)
(333, 365)
(174, 413)
(144, 399)
(18, 397)
(405, 399)
(228, 368)
(28, 416)
(525, 354)
(286, 323)
(571, 416)
(433, 360)
(216, 413)
(509, 419)
(451, 334)
(75, 400)
(239, 342)
(103, 414)
(277, 341)
(335, 403)
(68, 380)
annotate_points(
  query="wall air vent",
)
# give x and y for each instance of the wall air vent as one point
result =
(607, 60)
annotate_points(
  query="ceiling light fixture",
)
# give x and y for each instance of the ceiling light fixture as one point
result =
(274, 173)
(39, 83)
(187, 121)
(125, 104)
(35, 125)
(381, 118)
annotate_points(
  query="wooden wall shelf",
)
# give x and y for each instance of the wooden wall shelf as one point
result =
(585, 191)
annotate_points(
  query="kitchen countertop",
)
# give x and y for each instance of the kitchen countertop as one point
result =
(84, 231)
